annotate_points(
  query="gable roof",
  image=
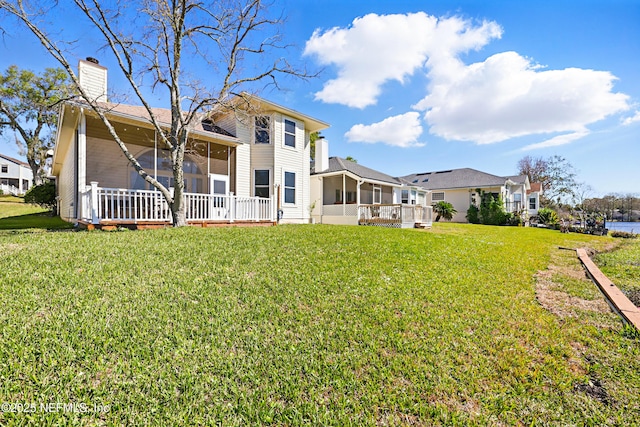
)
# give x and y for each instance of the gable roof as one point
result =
(311, 124)
(338, 164)
(536, 187)
(16, 161)
(455, 178)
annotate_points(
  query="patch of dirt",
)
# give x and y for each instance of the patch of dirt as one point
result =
(594, 389)
(561, 303)
(634, 297)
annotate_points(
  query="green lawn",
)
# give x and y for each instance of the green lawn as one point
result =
(311, 324)
(622, 266)
(15, 215)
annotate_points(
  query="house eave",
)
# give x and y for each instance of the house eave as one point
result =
(311, 124)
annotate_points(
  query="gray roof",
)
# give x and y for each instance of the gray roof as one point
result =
(338, 164)
(455, 178)
(518, 179)
(16, 161)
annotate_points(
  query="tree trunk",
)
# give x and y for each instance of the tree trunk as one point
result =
(178, 209)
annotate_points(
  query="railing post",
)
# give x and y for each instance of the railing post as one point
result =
(95, 217)
(232, 207)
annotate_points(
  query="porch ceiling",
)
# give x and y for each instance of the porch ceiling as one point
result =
(134, 135)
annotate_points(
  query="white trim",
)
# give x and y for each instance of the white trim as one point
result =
(296, 188)
(295, 133)
(438, 200)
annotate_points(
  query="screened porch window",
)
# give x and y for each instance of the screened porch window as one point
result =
(193, 179)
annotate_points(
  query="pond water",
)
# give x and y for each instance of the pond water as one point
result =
(629, 227)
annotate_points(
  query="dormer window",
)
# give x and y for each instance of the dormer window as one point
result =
(263, 130)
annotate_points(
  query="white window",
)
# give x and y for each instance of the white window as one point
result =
(262, 130)
(405, 196)
(289, 133)
(414, 195)
(262, 183)
(532, 203)
(290, 187)
(5, 168)
(437, 197)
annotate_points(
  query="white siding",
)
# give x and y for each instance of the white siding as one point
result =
(243, 159)
(243, 170)
(262, 156)
(67, 185)
(93, 79)
(227, 123)
(296, 160)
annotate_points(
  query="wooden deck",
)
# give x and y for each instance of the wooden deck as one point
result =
(150, 225)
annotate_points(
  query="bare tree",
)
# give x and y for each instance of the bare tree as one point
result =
(162, 43)
(556, 174)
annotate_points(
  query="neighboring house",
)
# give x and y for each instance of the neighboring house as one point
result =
(533, 198)
(16, 176)
(460, 188)
(238, 166)
(345, 192)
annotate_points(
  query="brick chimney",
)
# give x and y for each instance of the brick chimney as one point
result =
(93, 79)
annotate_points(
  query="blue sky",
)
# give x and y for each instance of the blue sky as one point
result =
(416, 86)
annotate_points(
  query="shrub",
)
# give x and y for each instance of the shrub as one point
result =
(492, 211)
(513, 219)
(623, 234)
(444, 210)
(43, 195)
(473, 214)
(548, 216)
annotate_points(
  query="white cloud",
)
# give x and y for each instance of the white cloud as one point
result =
(503, 97)
(381, 48)
(628, 120)
(566, 138)
(508, 96)
(400, 131)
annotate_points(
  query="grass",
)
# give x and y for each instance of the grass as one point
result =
(312, 324)
(622, 266)
(16, 215)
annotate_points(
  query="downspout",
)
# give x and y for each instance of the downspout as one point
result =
(155, 154)
(82, 164)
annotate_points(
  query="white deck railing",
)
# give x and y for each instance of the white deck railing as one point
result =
(118, 204)
(396, 215)
(11, 189)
